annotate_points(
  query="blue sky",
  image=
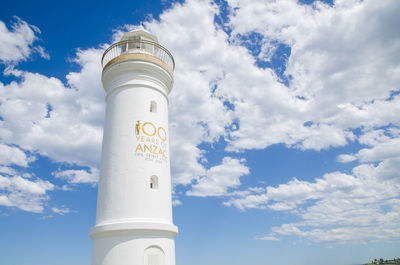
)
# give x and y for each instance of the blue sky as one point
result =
(284, 124)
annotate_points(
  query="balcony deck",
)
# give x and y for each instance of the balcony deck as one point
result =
(138, 50)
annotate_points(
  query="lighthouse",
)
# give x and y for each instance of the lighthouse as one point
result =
(134, 224)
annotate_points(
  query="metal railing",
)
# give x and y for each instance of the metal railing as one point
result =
(136, 46)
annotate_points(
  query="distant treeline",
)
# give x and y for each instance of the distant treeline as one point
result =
(384, 262)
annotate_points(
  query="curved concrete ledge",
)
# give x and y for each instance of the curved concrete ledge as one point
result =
(136, 73)
(135, 228)
(139, 57)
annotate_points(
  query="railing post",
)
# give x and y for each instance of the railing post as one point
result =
(153, 48)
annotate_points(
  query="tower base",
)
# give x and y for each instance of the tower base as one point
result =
(133, 244)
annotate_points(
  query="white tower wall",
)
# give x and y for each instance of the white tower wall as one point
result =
(134, 211)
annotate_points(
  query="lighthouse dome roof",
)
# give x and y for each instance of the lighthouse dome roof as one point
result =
(139, 34)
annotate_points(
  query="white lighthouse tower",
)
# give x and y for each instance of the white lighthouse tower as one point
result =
(134, 211)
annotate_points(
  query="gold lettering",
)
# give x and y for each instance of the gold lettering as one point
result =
(155, 149)
(154, 141)
(163, 134)
(137, 127)
(139, 147)
(147, 147)
(146, 132)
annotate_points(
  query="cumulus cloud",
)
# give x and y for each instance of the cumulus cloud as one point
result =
(345, 158)
(335, 71)
(18, 44)
(74, 176)
(342, 70)
(370, 224)
(26, 194)
(22, 191)
(337, 207)
(60, 211)
(176, 202)
(10, 155)
(220, 178)
(267, 238)
(41, 115)
(7, 170)
(248, 199)
(384, 150)
(196, 114)
(323, 102)
(343, 76)
(64, 122)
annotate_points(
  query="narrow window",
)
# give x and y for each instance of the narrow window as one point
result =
(153, 106)
(154, 259)
(134, 42)
(124, 47)
(154, 255)
(154, 182)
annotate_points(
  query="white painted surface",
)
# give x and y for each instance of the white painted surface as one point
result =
(132, 217)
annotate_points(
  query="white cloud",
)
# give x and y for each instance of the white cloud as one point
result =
(250, 199)
(363, 225)
(196, 115)
(344, 73)
(7, 170)
(318, 94)
(41, 115)
(220, 178)
(345, 158)
(74, 176)
(17, 45)
(60, 211)
(25, 194)
(10, 155)
(4, 201)
(267, 238)
(389, 168)
(373, 137)
(63, 122)
(176, 202)
(42, 52)
(381, 151)
(212, 70)
(338, 207)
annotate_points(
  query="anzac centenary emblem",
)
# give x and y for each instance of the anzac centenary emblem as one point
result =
(151, 141)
